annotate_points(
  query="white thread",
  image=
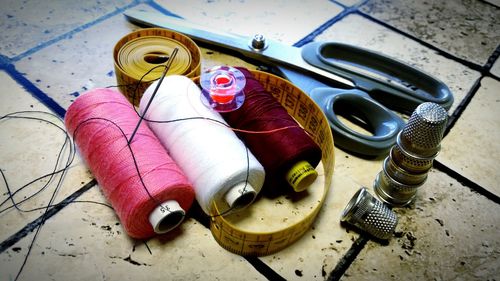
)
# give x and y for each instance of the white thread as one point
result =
(211, 155)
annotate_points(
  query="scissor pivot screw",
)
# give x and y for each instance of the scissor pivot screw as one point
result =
(258, 42)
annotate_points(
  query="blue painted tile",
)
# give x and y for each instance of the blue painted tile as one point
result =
(74, 65)
(28, 24)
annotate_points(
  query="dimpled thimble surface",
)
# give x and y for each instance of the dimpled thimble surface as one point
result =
(423, 133)
(369, 214)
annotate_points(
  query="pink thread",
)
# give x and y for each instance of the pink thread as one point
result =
(105, 150)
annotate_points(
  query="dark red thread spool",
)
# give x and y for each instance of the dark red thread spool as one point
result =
(289, 154)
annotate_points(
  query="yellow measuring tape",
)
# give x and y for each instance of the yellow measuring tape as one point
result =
(271, 224)
(140, 51)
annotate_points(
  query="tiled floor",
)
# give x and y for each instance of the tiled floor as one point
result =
(51, 52)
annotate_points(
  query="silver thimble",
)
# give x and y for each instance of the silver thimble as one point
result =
(409, 161)
(393, 192)
(370, 215)
(400, 174)
(423, 133)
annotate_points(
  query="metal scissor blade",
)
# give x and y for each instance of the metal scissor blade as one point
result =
(274, 52)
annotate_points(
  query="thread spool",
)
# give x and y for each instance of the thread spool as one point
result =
(222, 88)
(290, 154)
(95, 120)
(211, 155)
(140, 51)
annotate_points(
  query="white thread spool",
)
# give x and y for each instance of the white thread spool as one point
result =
(213, 158)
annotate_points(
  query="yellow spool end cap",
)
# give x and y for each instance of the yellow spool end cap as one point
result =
(301, 176)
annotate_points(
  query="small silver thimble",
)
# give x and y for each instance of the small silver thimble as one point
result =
(392, 192)
(370, 215)
(400, 174)
(408, 161)
(423, 133)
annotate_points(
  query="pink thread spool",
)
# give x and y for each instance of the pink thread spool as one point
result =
(105, 150)
(222, 88)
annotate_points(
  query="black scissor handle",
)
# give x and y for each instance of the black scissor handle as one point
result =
(395, 84)
(382, 122)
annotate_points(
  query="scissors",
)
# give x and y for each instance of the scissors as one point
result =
(344, 80)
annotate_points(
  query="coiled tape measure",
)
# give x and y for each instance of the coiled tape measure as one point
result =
(269, 224)
(138, 52)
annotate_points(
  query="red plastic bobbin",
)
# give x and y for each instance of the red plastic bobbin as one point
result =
(222, 88)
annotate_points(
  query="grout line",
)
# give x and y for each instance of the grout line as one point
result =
(264, 269)
(348, 258)
(461, 107)
(197, 213)
(340, 4)
(258, 264)
(347, 11)
(161, 9)
(51, 212)
(489, 3)
(441, 52)
(310, 37)
(35, 91)
(4, 61)
(492, 59)
(70, 33)
(465, 181)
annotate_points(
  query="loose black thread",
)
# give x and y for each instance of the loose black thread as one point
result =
(62, 172)
(49, 175)
(72, 153)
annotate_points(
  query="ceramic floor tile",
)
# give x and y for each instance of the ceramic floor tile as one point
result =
(77, 71)
(211, 58)
(451, 233)
(28, 24)
(314, 255)
(466, 29)
(364, 33)
(286, 21)
(495, 69)
(29, 149)
(92, 66)
(494, 2)
(471, 148)
(96, 248)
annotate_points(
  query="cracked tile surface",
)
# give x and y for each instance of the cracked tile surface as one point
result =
(445, 235)
(465, 150)
(27, 24)
(64, 48)
(285, 21)
(467, 29)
